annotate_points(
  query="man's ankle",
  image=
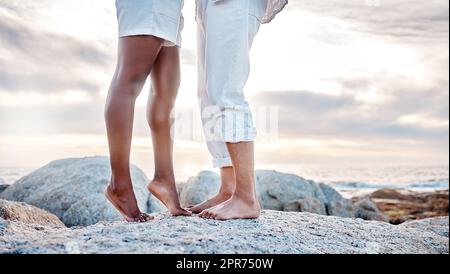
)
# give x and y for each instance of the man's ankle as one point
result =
(247, 196)
(226, 192)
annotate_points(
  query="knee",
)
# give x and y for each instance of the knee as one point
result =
(130, 82)
(159, 119)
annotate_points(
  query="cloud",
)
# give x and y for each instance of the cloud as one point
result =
(310, 114)
(47, 62)
(345, 70)
(400, 18)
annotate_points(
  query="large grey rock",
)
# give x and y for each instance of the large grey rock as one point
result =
(274, 232)
(180, 187)
(199, 188)
(438, 225)
(154, 205)
(367, 210)
(72, 189)
(3, 186)
(335, 204)
(21, 212)
(279, 190)
(311, 205)
(276, 189)
(3, 225)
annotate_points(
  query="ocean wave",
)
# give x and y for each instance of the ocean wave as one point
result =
(431, 184)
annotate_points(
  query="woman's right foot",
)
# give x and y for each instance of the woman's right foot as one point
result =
(125, 202)
(168, 195)
(214, 201)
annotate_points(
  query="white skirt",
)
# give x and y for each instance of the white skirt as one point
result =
(158, 18)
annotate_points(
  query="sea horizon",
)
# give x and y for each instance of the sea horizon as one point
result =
(349, 179)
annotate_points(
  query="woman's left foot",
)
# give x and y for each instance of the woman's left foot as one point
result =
(234, 208)
(168, 195)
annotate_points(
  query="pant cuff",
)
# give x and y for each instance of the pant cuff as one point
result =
(222, 162)
(244, 135)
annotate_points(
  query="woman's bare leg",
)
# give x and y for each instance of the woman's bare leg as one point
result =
(227, 187)
(243, 204)
(165, 83)
(136, 57)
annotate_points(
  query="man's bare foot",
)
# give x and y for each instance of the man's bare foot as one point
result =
(235, 208)
(209, 204)
(126, 204)
(168, 195)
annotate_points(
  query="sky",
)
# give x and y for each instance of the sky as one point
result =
(347, 82)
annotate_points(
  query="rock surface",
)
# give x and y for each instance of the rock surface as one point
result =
(367, 210)
(335, 204)
(3, 186)
(199, 188)
(21, 212)
(276, 191)
(311, 205)
(438, 225)
(404, 205)
(72, 189)
(274, 232)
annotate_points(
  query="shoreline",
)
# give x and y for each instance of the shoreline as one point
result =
(403, 205)
(398, 202)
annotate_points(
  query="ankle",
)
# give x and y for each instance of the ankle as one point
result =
(163, 178)
(118, 190)
(227, 193)
(246, 196)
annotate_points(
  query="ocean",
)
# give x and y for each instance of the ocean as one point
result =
(348, 180)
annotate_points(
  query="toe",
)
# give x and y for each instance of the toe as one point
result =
(208, 214)
(202, 214)
(187, 213)
(205, 213)
(144, 217)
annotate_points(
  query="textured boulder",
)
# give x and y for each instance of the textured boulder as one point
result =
(154, 205)
(276, 189)
(72, 189)
(21, 212)
(311, 205)
(180, 187)
(199, 188)
(404, 205)
(3, 186)
(335, 204)
(367, 210)
(391, 194)
(274, 232)
(438, 225)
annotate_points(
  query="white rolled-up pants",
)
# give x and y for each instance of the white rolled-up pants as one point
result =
(226, 29)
